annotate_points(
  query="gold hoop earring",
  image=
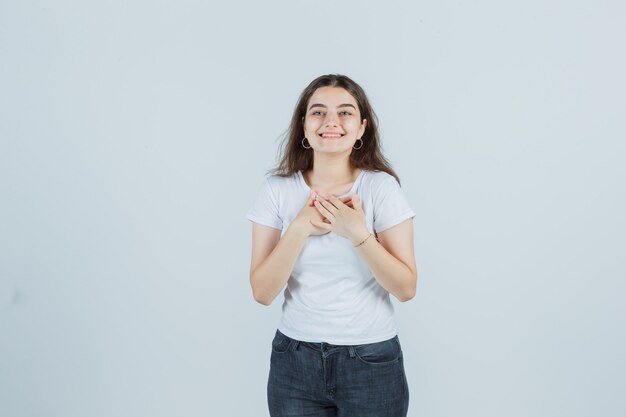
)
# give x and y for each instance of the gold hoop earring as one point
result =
(359, 146)
(305, 146)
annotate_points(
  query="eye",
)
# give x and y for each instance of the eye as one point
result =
(346, 113)
(316, 113)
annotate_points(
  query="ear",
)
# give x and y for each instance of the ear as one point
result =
(362, 128)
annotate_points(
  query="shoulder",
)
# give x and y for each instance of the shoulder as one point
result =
(281, 184)
(377, 179)
(279, 180)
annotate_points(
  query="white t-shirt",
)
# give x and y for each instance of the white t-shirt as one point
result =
(331, 295)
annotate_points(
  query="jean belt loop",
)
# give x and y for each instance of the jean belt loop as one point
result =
(351, 351)
(294, 345)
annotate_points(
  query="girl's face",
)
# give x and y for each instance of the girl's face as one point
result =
(332, 122)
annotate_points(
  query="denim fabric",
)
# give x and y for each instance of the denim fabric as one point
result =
(319, 379)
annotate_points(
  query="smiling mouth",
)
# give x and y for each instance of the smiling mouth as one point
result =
(331, 135)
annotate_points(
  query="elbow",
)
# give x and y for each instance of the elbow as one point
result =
(410, 291)
(407, 295)
(259, 296)
(261, 299)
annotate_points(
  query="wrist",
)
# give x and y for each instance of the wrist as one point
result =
(360, 237)
(296, 230)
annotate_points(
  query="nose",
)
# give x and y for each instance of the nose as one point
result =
(331, 119)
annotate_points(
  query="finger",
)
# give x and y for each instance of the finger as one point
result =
(333, 208)
(333, 201)
(322, 225)
(356, 202)
(338, 202)
(346, 200)
(321, 207)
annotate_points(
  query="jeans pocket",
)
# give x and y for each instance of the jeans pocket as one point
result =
(281, 343)
(388, 351)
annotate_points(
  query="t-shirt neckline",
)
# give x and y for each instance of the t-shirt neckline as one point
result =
(352, 189)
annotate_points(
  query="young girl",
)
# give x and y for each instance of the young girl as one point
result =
(333, 225)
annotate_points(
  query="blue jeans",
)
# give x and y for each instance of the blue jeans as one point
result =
(319, 379)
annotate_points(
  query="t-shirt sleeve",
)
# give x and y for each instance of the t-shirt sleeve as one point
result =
(264, 209)
(390, 205)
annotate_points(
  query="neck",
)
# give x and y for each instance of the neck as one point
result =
(327, 172)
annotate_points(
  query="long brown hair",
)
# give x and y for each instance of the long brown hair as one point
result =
(294, 157)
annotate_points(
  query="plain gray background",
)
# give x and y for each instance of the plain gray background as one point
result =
(135, 134)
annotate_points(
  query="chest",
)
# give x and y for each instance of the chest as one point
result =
(337, 190)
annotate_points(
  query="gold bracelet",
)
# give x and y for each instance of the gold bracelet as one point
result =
(370, 235)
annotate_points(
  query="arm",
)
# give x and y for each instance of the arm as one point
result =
(273, 257)
(392, 261)
(273, 260)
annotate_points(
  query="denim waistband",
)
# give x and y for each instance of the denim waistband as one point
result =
(323, 347)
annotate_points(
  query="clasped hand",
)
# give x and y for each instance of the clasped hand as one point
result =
(346, 219)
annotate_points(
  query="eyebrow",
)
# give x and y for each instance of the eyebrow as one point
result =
(341, 105)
